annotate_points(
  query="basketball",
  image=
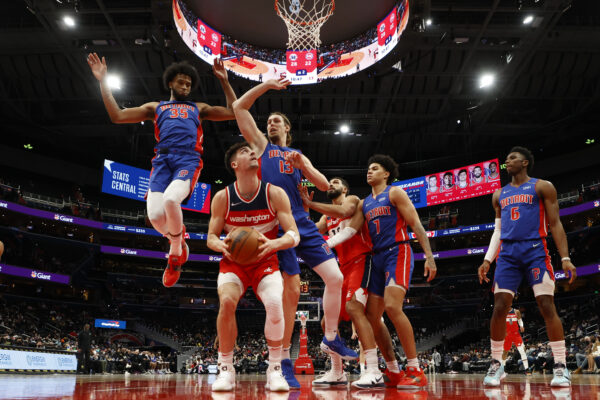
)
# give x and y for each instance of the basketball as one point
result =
(1, 248)
(244, 245)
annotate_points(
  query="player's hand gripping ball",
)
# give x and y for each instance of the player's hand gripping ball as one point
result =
(243, 245)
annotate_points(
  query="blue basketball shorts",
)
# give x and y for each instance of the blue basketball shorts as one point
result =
(312, 247)
(523, 258)
(397, 263)
(176, 165)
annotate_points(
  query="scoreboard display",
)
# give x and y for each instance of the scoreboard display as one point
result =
(452, 185)
(301, 65)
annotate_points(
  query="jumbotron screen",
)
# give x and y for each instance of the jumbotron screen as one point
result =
(452, 185)
(300, 67)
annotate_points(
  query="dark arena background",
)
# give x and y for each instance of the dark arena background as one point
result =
(441, 86)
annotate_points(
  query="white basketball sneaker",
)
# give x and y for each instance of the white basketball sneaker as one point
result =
(225, 381)
(275, 380)
(371, 378)
(331, 378)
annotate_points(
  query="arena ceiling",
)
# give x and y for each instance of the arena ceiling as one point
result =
(546, 94)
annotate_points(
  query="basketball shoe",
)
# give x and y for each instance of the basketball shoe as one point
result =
(174, 263)
(331, 378)
(414, 378)
(275, 380)
(287, 369)
(392, 378)
(495, 374)
(562, 376)
(225, 381)
(371, 378)
(338, 346)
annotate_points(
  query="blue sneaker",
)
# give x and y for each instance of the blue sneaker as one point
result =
(338, 346)
(562, 376)
(287, 369)
(495, 374)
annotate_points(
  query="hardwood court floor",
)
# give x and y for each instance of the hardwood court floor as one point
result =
(148, 387)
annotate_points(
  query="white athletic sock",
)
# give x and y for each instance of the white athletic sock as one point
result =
(413, 362)
(285, 353)
(371, 358)
(559, 351)
(336, 364)
(226, 358)
(521, 349)
(275, 354)
(393, 366)
(497, 350)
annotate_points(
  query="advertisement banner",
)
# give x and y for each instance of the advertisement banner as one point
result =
(34, 274)
(33, 360)
(131, 182)
(110, 324)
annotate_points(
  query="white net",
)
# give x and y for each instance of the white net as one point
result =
(304, 19)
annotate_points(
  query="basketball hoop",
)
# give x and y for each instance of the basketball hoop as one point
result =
(303, 21)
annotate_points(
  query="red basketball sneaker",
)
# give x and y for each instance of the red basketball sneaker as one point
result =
(393, 378)
(174, 263)
(414, 378)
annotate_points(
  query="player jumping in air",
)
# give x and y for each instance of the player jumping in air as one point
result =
(177, 163)
(525, 209)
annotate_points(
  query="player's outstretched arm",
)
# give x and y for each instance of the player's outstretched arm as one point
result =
(246, 123)
(219, 113)
(282, 208)
(216, 224)
(494, 241)
(547, 192)
(344, 210)
(400, 199)
(356, 223)
(117, 115)
(520, 321)
(301, 162)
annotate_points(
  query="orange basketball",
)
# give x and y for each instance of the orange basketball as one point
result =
(1, 248)
(244, 245)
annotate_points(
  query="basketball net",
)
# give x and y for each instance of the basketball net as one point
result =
(304, 22)
(303, 320)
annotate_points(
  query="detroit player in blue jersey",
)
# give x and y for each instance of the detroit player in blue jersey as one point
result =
(284, 167)
(388, 211)
(525, 209)
(177, 163)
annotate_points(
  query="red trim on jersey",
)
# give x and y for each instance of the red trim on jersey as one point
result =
(156, 128)
(237, 192)
(400, 235)
(543, 230)
(548, 261)
(267, 195)
(199, 137)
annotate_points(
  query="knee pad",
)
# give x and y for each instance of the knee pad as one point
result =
(270, 291)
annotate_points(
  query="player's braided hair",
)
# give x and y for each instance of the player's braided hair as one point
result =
(526, 153)
(183, 68)
(387, 163)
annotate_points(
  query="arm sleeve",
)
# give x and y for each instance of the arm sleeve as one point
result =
(494, 242)
(341, 237)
